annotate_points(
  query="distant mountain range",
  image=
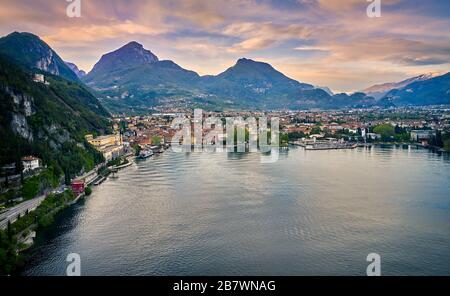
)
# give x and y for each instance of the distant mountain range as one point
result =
(433, 91)
(380, 90)
(74, 68)
(132, 77)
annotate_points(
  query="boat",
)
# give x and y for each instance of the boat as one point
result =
(330, 146)
(99, 181)
(145, 153)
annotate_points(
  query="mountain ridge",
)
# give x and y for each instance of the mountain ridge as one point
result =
(134, 77)
(130, 55)
(32, 52)
(380, 90)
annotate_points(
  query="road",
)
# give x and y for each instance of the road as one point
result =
(12, 213)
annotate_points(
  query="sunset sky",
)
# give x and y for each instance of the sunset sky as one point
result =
(324, 42)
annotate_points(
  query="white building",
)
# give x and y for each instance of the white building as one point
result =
(421, 135)
(30, 163)
(40, 78)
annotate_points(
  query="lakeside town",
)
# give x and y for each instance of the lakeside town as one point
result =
(142, 136)
(24, 191)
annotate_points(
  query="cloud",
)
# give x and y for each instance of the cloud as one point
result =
(262, 35)
(333, 38)
(95, 33)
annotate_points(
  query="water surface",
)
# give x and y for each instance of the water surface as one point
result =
(310, 213)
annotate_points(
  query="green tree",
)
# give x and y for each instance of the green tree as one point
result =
(156, 140)
(386, 131)
(316, 130)
(447, 145)
(88, 191)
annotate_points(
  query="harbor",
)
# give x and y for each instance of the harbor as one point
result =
(330, 144)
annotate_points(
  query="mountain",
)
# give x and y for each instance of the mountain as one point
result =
(74, 68)
(380, 90)
(320, 99)
(249, 79)
(48, 120)
(130, 55)
(434, 91)
(134, 77)
(33, 53)
(326, 89)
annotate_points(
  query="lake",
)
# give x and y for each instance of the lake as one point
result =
(310, 213)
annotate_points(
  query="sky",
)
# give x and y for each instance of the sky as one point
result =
(329, 43)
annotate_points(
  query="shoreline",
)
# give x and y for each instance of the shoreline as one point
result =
(34, 230)
(26, 238)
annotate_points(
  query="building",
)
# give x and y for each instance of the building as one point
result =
(111, 146)
(40, 78)
(104, 141)
(78, 187)
(373, 136)
(30, 163)
(422, 135)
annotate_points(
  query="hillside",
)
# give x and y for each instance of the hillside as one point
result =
(48, 121)
(380, 90)
(33, 53)
(434, 91)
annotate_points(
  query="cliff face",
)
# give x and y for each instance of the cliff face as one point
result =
(47, 120)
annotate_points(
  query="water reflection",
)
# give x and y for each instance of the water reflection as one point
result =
(312, 212)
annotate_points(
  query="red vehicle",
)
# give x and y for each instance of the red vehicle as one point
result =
(78, 186)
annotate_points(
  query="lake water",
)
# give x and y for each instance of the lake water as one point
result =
(310, 213)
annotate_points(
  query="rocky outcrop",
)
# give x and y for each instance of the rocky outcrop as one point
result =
(20, 127)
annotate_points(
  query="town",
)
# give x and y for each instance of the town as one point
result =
(27, 183)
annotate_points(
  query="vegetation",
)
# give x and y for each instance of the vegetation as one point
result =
(37, 184)
(117, 161)
(58, 117)
(284, 139)
(137, 149)
(296, 135)
(42, 217)
(88, 191)
(390, 133)
(316, 130)
(447, 145)
(442, 140)
(156, 140)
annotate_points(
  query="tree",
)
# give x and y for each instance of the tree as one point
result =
(437, 140)
(316, 130)
(67, 179)
(9, 231)
(88, 191)
(137, 149)
(447, 145)
(156, 140)
(19, 167)
(6, 178)
(284, 138)
(386, 131)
